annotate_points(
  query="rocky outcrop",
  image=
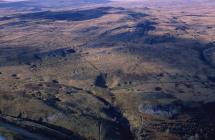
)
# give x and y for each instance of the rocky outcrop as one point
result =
(167, 110)
(160, 104)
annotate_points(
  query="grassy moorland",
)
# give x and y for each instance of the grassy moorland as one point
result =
(107, 70)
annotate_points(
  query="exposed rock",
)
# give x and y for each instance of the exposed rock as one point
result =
(160, 104)
(168, 110)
